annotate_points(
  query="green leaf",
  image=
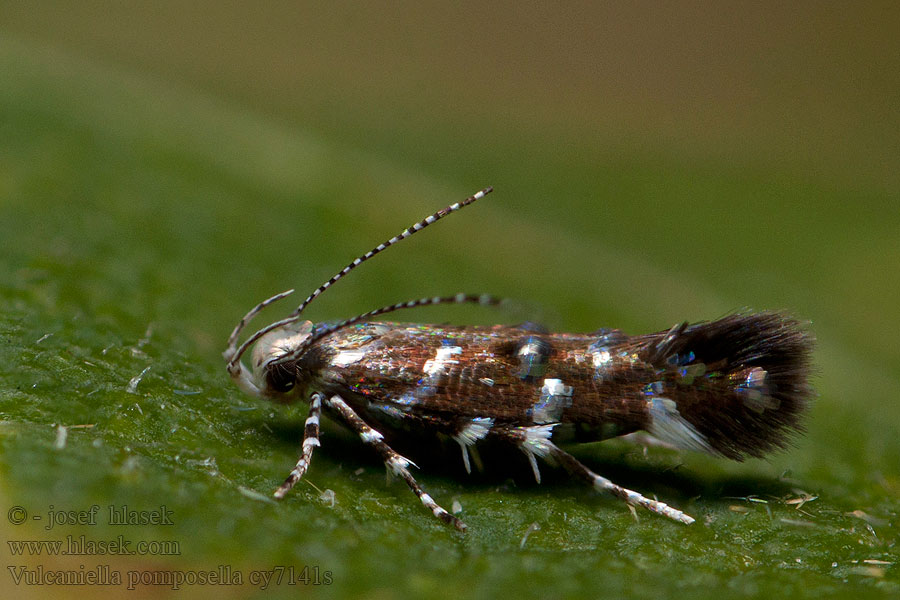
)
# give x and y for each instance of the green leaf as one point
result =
(139, 220)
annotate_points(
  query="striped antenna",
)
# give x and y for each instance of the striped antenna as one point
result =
(408, 232)
(232, 339)
(234, 356)
(483, 299)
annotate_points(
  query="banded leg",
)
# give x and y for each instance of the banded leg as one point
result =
(574, 466)
(535, 442)
(396, 463)
(310, 441)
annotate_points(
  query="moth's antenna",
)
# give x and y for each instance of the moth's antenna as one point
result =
(232, 339)
(234, 356)
(408, 232)
(483, 299)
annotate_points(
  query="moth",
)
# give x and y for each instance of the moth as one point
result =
(734, 387)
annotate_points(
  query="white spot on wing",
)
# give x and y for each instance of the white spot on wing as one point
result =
(601, 358)
(441, 360)
(555, 397)
(667, 424)
(347, 357)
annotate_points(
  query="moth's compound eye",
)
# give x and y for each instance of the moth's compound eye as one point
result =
(269, 371)
(280, 379)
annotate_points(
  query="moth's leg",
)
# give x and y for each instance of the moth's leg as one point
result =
(310, 441)
(574, 466)
(467, 433)
(396, 463)
(464, 431)
(535, 442)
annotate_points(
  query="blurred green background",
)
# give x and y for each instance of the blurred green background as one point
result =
(165, 166)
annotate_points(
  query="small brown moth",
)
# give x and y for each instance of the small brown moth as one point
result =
(733, 387)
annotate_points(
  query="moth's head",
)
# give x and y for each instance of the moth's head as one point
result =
(271, 376)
